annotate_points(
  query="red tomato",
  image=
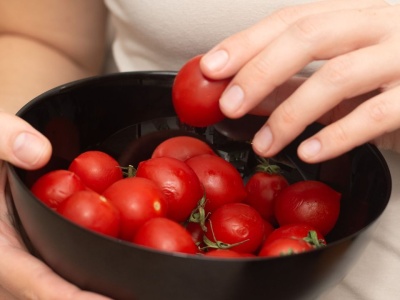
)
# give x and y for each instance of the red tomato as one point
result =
(178, 182)
(221, 181)
(296, 231)
(97, 169)
(195, 97)
(196, 232)
(138, 200)
(54, 187)
(284, 246)
(236, 226)
(262, 189)
(223, 253)
(166, 235)
(182, 148)
(310, 202)
(92, 211)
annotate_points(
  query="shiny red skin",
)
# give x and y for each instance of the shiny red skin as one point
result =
(97, 169)
(310, 202)
(284, 246)
(196, 232)
(196, 97)
(182, 148)
(222, 182)
(54, 187)
(262, 189)
(138, 200)
(295, 231)
(166, 235)
(91, 211)
(178, 182)
(236, 223)
(224, 253)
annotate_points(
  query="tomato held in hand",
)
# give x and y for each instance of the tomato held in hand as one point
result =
(221, 181)
(182, 148)
(97, 169)
(196, 97)
(92, 211)
(263, 187)
(166, 235)
(179, 183)
(54, 187)
(284, 246)
(310, 202)
(138, 200)
(235, 226)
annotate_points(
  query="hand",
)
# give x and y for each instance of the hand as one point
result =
(359, 42)
(22, 276)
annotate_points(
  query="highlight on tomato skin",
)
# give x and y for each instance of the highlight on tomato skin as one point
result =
(195, 97)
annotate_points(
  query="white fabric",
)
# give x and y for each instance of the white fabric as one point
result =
(393, 2)
(164, 36)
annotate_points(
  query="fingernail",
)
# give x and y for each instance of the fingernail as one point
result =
(215, 61)
(310, 148)
(28, 148)
(262, 139)
(232, 99)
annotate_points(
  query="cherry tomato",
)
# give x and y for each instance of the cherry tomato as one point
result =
(138, 200)
(221, 181)
(235, 226)
(92, 211)
(54, 187)
(182, 148)
(297, 231)
(97, 169)
(310, 202)
(195, 97)
(166, 235)
(284, 246)
(224, 253)
(197, 233)
(178, 182)
(263, 187)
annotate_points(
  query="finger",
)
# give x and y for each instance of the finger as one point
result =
(313, 38)
(371, 119)
(225, 59)
(21, 144)
(327, 88)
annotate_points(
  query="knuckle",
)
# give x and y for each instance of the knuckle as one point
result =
(308, 30)
(377, 111)
(288, 15)
(288, 115)
(337, 71)
(339, 134)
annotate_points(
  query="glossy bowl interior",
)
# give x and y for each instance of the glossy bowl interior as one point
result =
(126, 115)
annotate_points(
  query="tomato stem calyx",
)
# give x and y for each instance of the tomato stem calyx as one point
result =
(218, 244)
(129, 171)
(312, 238)
(266, 167)
(199, 215)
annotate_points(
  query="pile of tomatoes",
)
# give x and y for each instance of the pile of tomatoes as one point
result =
(186, 198)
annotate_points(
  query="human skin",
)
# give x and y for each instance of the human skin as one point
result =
(356, 92)
(38, 51)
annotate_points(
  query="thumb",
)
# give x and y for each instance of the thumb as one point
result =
(21, 144)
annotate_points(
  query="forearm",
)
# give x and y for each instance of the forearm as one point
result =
(28, 68)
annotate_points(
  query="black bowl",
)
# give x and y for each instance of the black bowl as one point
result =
(126, 115)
